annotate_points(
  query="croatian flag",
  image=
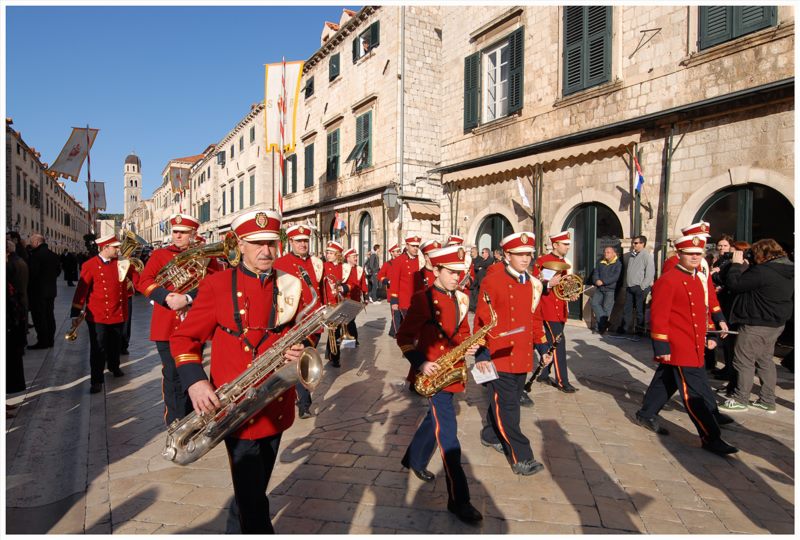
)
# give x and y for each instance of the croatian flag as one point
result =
(639, 176)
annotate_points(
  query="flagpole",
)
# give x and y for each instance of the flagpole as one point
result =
(89, 187)
(282, 117)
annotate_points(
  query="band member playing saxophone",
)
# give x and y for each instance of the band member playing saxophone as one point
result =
(244, 310)
(435, 323)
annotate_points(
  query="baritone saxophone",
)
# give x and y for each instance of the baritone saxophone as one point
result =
(447, 374)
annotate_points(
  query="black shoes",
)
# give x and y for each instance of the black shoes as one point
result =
(525, 400)
(118, 372)
(651, 423)
(527, 468)
(722, 418)
(335, 364)
(124, 352)
(304, 413)
(496, 446)
(465, 512)
(719, 447)
(95, 388)
(423, 474)
(40, 346)
(544, 379)
(567, 388)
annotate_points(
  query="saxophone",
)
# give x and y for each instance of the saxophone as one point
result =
(191, 437)
(447, 374)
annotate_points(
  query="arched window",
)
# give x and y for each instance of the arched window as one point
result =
(365, 237)
(493, 229)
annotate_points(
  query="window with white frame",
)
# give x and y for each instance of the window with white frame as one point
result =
(495, 83)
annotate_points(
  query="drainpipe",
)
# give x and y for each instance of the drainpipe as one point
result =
(402, 122)
(665, 211)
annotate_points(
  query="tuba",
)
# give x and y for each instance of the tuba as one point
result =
(191, 437)
(185, 271)
(132, 245)
(447, 374)
(569, 285)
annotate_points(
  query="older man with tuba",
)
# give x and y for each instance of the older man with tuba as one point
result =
(169, 309)
(244, 310)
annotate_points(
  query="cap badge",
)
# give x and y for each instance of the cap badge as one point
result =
(178, 218)
(301, 230)
(704, 227)
(523, 238)
(461, 255)
(261, 220)
(695, 241)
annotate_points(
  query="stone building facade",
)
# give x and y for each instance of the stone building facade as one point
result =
(38, 203)
(549, 105)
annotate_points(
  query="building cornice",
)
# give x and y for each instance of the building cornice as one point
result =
(337, 38)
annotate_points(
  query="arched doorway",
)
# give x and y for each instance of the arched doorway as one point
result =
(365, 237)
(493, 228)
(750, 212)
(593, 226)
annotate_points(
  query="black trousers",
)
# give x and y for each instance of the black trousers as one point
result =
(126, 326)
(502, 418)
(176, 399)
(303, 396)
(397, 319)
(334, 358)
(692, 383)
(352, 329)
(251, 463)
(104, 346)
(559, 364)
(44, 319)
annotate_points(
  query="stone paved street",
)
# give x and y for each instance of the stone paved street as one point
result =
(78, 463)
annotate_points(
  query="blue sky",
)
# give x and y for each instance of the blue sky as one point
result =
(164, 82)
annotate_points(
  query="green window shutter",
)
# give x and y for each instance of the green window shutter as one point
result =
(223, 202)
(309, 88)
(573, 49)
(472, 90)
(748, 19)
(598, 45)
(355, 49)
(252, 189)
(366, 136)
(309, 163)
(374, 35)
(335, 147)
(333, 71)
(284, 180)
(294, 173)
(516, 61)
(716, 25)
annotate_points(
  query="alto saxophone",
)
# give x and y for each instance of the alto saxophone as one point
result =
(447, 374)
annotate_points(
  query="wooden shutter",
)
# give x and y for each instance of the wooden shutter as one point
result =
(716, 25)
(293, 160)
(309, 163)
(598, 45)
(355, 49)
(374, 35)
(333, 67)
(573, 49)
(516, 61)
(748, 19)
(472, 90)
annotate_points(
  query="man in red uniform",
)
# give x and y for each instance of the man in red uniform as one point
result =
(333, 290)
(406, 279)
(553, 311)
(514, 295)
(299, 238)
(679, 318)
(426, 247)
(169, 309)
(106, 299)
(383, 277)
(436, 323)
(464, 283)
(244, 310)
(356, 281)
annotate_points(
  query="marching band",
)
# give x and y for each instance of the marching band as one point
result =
(262, 298)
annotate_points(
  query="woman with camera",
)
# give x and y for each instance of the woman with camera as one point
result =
(763, 285)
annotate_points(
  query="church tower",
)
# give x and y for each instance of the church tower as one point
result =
(133, 184)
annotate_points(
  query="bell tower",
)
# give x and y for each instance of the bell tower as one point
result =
(133, 184)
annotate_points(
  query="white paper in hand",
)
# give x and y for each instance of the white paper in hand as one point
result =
(547, 274)
(481, 377)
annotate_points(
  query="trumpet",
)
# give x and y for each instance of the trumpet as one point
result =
(72, 335)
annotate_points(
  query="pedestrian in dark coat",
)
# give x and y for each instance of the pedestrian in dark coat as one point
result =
(45, 267)
(69, 263)
(605, 276)
(16, 327)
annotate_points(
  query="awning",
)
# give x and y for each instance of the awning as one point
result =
(524, 163)
(349, 204)
(424, 210)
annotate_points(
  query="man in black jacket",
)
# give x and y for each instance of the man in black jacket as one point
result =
(762, 304)
(605, 276)
(44, 269)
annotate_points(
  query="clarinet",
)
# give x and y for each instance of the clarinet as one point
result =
(542, 363)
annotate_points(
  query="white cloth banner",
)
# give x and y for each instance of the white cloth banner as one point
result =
(273, 89)
(97, 195)
(69, 162)
(522, 194)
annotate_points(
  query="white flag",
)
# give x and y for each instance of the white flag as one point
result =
(273, 90)
(522, 194)
(69, 162)
(97, 195)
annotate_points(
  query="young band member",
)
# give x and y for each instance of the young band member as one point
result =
(383, 277)
(333, 289)
(356, 281)
(514, 295)
(679, 318)
(106, 300)
(427, 272)
(465, 283)
(299, 239)
(435, 323)
(553, 311)
(244, 310)
(169, 309)
(405, 277)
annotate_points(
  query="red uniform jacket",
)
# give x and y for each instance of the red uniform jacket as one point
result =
(552, 308)
(427, 277)
(405, 276)
(100, 288)
(515, 303)
(213, 312)
(713, 300)
(356, 281)
(433, 326)
(331, 276)
(679, 318)
(289, 263)
(164, 320)
(383, 273)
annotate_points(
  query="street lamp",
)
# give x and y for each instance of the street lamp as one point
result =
(390, 197)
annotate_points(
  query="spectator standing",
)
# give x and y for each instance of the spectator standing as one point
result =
(19, 245)
(605, 276)
(371, 268)
(16, 323)
(762, 305)
(45, 268)
(480, 265)
(640, 271)
(69, 263)
(719, 271)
